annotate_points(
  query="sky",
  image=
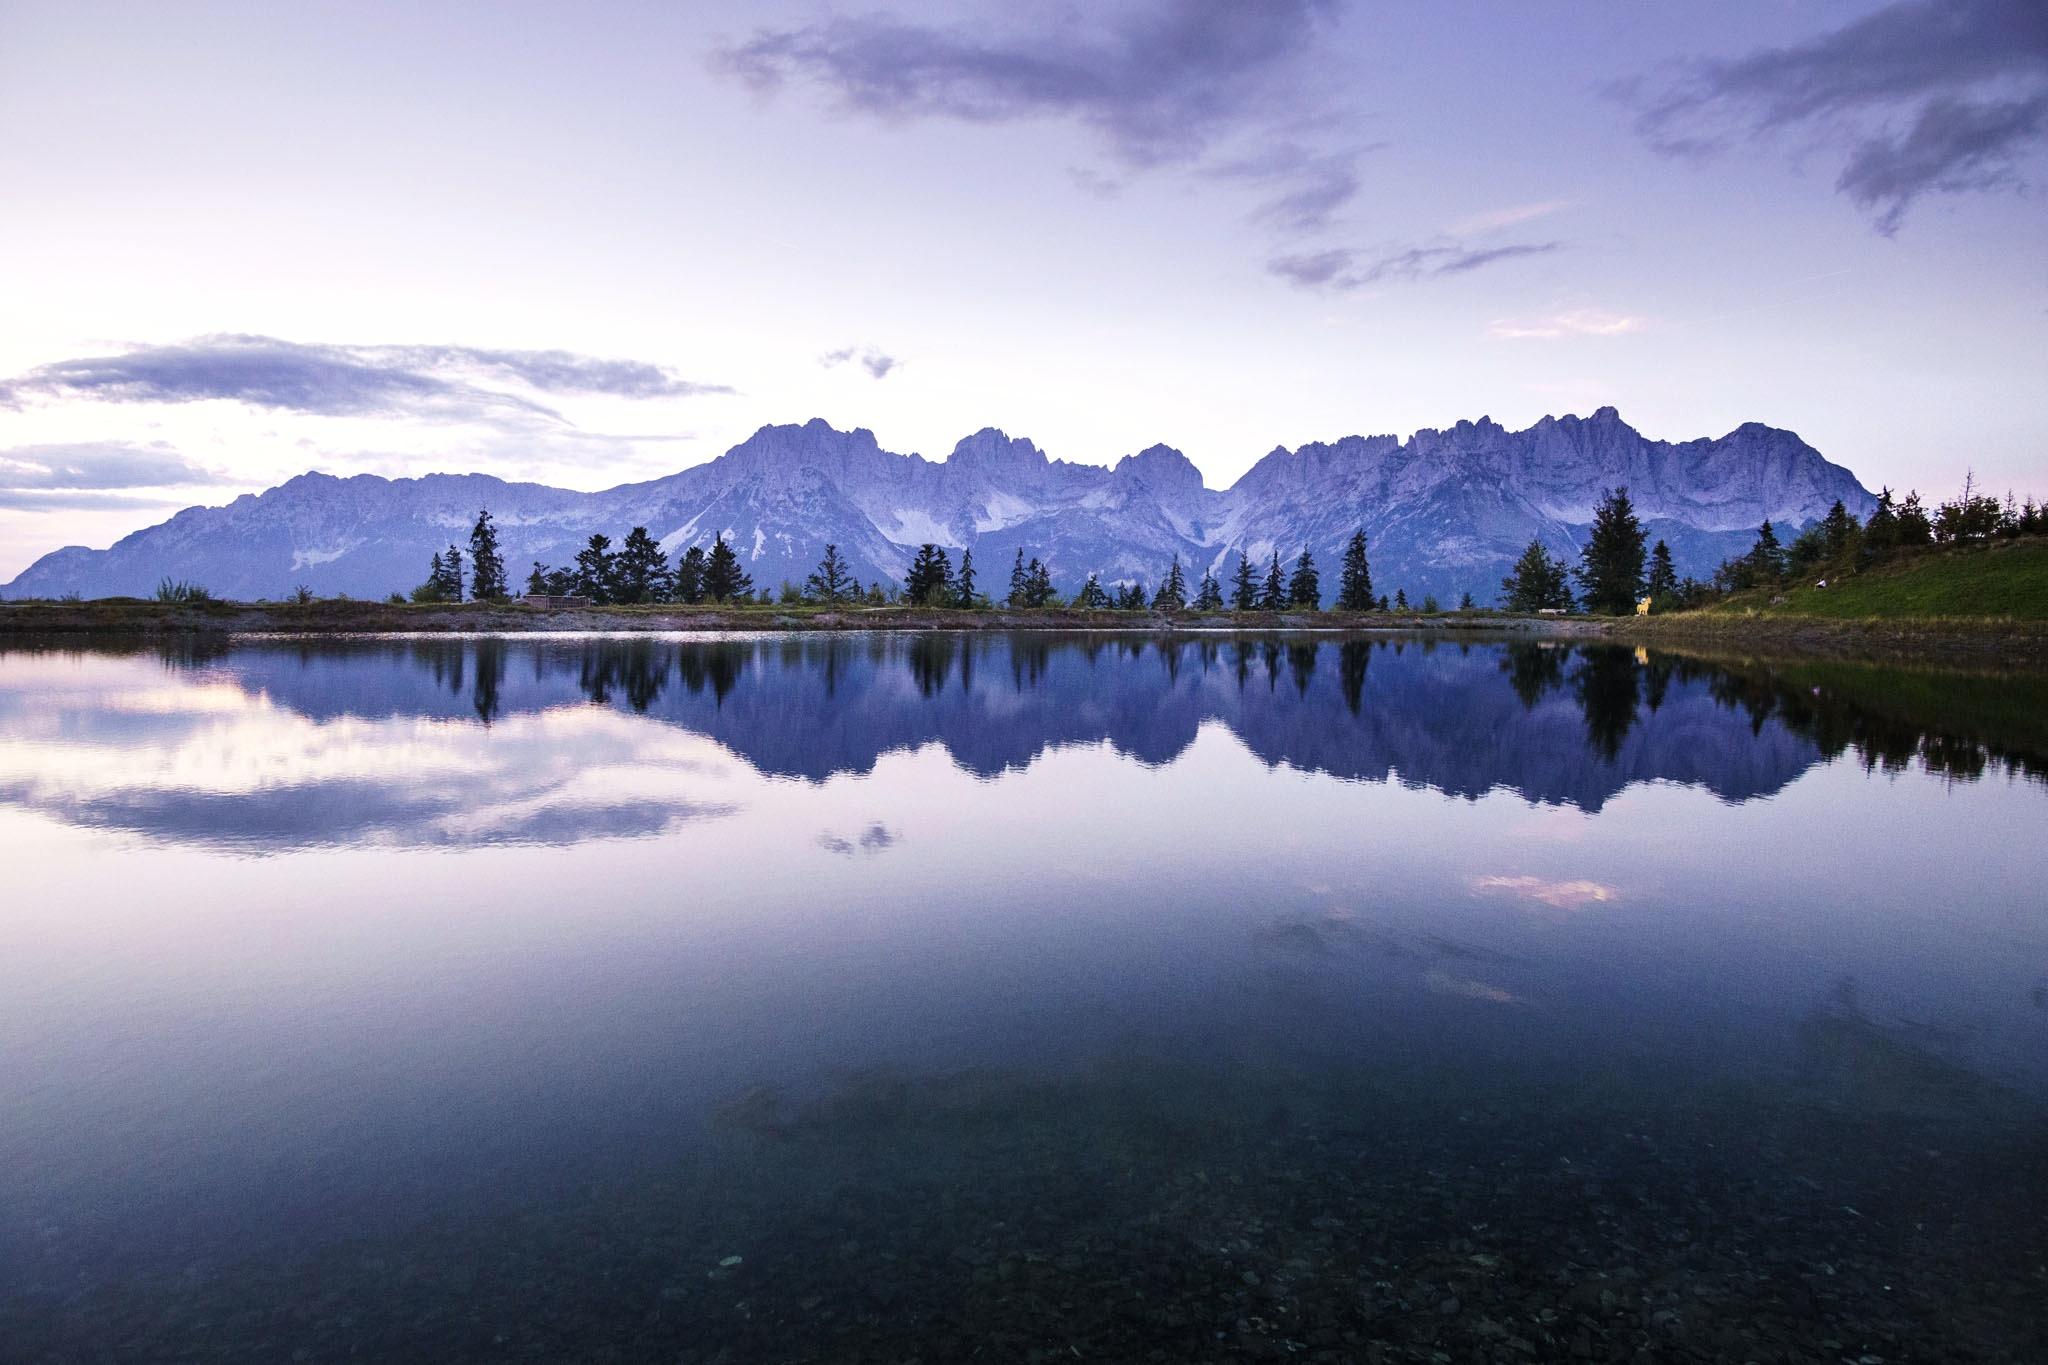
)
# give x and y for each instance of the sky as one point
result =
(591, 244)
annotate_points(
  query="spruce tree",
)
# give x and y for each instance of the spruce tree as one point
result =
(1244, 585)
(1663, 580)
(1537, 583)
(963, 583)
(486, 565)
(1020, 582)
(1038, 584)
(450, 586)
(1304, 588)
(689, 588)
(1465, 602)
(829, 582)
(1354, 589)
(930, 580)
(724, 579)
(1767, 556)
(1273, 596)
(1839, 528)
(641, 572)
(1173, 590)
(1400, 599)
(1610, 570)
(597, 570)
(1210, 596)
(1091, 597)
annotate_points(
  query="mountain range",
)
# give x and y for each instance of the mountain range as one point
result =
(1446, 511)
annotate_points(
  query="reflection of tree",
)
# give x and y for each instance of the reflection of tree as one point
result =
(638, 668)
(1656, 682)
(716, 665)
(1534, 670)
(931, 661)
(490, 676)
(1606, 685)
(1353, 657)
(1301, 665)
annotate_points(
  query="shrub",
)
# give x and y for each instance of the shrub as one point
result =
(178, 590)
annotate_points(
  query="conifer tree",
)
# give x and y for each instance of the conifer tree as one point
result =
(1210, 596)
(1465, 602)
(963, 583)
(689, 586)
(486, 564)
(829, 582)
(597, 570)
(1038, 584)
(724, 579)
(1662, 582)
(1173, 590)
(1610, 570)
(1091, 597)
(1838, 528)
(1354, 589)
(1020, 582)
(1304, 588)
(930, 580)
(1244, 585)
(1767, 556)
(449, 588)
(641, 572)
(1131, 596)
(1273, 596)
(1537, 583)
(1400, 599)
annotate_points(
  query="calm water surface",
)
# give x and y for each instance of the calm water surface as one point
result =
(1115, 998)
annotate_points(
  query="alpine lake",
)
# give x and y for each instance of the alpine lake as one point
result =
(944, 997)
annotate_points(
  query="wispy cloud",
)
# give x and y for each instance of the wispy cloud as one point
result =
(1513, 216)
(99, 466)
(1923, 96)
(1346, 268)
(1159, 83)
(1572, 322)
(441, 382)
(871, 359)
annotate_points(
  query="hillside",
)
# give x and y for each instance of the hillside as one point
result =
(1999, 581)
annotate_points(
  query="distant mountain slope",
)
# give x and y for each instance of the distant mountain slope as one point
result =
(1446, 511)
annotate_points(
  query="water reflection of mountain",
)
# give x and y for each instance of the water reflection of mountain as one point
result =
(1554, 724)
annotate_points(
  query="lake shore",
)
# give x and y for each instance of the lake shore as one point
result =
(1964, 642)
(335, 617)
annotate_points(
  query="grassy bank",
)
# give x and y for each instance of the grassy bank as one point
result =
(1980, 606)
(2003, 582)
(136, 617)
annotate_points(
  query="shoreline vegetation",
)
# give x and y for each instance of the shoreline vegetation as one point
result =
(1754, 633)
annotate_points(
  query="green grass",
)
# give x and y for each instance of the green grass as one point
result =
(2004, 581)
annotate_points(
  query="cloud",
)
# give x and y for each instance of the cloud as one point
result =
(1495, 219)
(1346, 268)
(871, 359)
(443, 382)
(1925, 97)
(1572, 322)
(104, 465)
(1162, 83)
(67, 500)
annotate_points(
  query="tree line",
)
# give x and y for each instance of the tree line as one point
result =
(1616, 568)
(1614, 572)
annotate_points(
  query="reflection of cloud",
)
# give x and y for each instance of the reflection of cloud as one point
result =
(1576, 894)
(876, 838)
(219, 767)
(1444, 983)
